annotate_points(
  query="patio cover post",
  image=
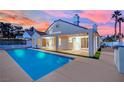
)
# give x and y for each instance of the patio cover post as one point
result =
(57, 42)
(41, 42)
(98, 42)
(91, 44)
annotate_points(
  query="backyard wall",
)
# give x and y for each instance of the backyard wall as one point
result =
(27, 45)
(119, 58)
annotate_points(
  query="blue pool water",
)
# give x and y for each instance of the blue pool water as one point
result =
(37, 63)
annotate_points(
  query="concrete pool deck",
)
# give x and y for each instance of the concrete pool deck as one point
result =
(81, 69)
(10, 71)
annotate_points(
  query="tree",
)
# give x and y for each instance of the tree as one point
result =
(116, 16)
(120, 20)
(12, 33)
(18, 28)
(1, 27)
(5, 29)
(8, 30)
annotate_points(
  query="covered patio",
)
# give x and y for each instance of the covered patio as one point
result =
(72, 44)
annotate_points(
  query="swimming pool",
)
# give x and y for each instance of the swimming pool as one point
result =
(36, 63)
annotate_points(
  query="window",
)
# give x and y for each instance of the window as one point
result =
(44, 42)
(84, 42)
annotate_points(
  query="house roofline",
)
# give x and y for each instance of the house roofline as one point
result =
(29, 33)
(65, 22)
(43, 33)
(98, 34)
(71, 23)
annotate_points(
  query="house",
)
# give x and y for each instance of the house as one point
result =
(19, 36)
(28, 34)
(36, 38)
(28, 37)
(69, 37)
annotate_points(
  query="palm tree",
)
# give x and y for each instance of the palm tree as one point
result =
(121, 19)
(116, 16)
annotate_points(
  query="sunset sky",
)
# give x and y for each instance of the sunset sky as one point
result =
(41, 19)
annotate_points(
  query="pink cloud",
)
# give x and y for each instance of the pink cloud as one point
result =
(106, 30)
(7, 12)
(42, 26)
(17, 18)
(109, 30)
(122, 28)
(11, 13)
(21, 20)
(98, 16)
(57, 13)
(86, 25)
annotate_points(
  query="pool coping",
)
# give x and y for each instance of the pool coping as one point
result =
(56, 53)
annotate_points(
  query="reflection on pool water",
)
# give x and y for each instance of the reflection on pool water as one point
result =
(19, 53)
(36, 63)
(40, 55)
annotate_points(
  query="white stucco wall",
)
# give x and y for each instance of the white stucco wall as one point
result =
(96, 43)
(60, 27)
(91, 44)
(119, 59)
(29, 43)
(35, 37)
